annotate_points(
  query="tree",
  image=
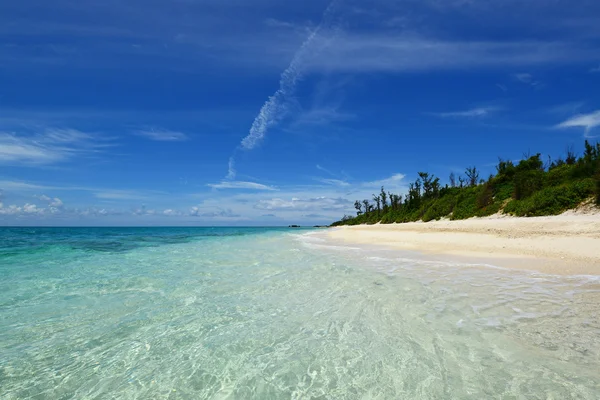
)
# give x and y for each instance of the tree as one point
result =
(377, 200)
(366, 204)
(430, 184)
(597, 179)
(358, 207)
(472, 176)
(452, 179)
(383, 196)
(571, 157)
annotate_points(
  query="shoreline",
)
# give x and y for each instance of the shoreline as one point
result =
(560, 245)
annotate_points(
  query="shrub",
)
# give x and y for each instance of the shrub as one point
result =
(597, 179)
(466, 205)
(527, 183)
(552, 200)
(440, 208)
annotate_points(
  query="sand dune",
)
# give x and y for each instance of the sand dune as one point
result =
(565, 244)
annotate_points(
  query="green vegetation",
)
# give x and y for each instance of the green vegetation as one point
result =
(528, 188)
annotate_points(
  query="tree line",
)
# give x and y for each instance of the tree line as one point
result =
(530, 187)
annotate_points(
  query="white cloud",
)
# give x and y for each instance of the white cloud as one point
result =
(275, 23)
(333, 182)
(472, 113)
(118, 194)
(275, 108)
(319, 203)
(10, 210)
(32, 209)
(566, 108)
(220, 214)
(393, 181)
(240, 185)
(595, 69)
(585, 121)
(55, 202)
(14, 149)
(170, 212)
(50, 146)
(527, 79)
(143, 211)
(162, 135)
(21, 186)
(231, 172)
(399, 53)
(320, 116)
(523, 77)
(320, 168)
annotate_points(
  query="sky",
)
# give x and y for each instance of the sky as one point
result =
(264, 112)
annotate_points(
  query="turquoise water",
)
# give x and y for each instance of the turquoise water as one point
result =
(231, 313)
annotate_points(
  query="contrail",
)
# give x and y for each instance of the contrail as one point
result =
(274, 109)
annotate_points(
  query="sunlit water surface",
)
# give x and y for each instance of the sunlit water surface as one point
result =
(213, 313)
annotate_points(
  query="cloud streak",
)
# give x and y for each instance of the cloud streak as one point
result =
(162, 135)
(274, 108)
(585, 121)
(49, 147)
(472, 113)
(240, 185)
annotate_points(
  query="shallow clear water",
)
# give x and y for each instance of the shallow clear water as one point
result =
(213, 313)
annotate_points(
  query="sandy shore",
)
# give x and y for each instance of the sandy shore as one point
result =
(565, 244)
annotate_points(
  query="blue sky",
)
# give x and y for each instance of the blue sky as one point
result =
(263, 112)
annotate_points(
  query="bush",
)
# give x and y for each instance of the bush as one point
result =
(552, 200)
(440, 208)
(485, 196)
(597, 179)
(559, 175)
(527, 183)
(466, 205)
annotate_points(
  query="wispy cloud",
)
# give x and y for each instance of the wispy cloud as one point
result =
(162, 135)
(398, 53)
(276, 23)
(472, 113)
(231, 171)
(227, 213)
(566, 108)
(527, 79)
(25, 188)
(50, 146)
(333, 182)
(595, 69)
(52, 202)
(321, 116)
(240, 185)
(321, 168)
(393, 180)
(585, 121)
(111, 194)
(22, 186)
(274, 109)
(319, 203)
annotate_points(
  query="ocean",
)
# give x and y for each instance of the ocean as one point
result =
(264, 313)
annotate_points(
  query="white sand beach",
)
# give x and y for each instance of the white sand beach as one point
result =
(564, 244)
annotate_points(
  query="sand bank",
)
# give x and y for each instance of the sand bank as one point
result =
(564, 244)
